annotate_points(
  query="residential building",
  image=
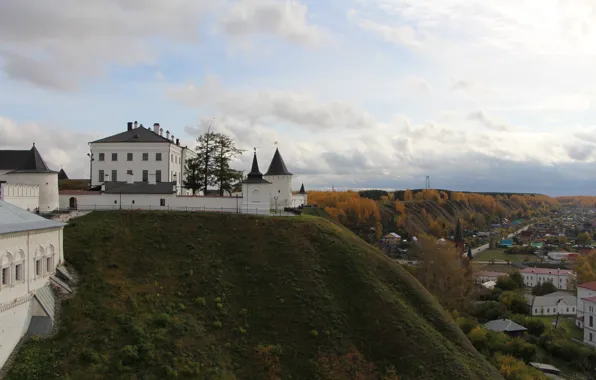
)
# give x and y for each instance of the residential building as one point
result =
(27, 180)
(561, 278)
(147, 154)
(391, 238)
(585, 290)
(30, 250)
(590, 320)
(562, 255)
(557, 303)
(507, 326)
(484, 276)
(506, 243)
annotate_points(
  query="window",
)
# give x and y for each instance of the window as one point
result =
(49, 266)
(158, 176)
(18, 272)
(114, 175)
(128, 156)
(162, 202)
(5, 276)
(38, 267)
(145, 175)
(591, 321)
(547, 310)
(114, 156)
(568, 310)
(133, 201)
(145, 156)
(171, 158)
(157, 156)
(129, 172)
(536, 311)
(101, 176)
(102, 156)
(591, 337)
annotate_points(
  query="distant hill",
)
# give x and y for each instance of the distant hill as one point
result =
(195, 296)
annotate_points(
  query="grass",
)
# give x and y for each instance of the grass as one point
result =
(499, 254)
(504, 268)
(197, 296)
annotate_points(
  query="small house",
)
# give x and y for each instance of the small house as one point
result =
(507, 326)
(506, 243)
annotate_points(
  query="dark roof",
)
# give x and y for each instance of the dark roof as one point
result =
(255, 175)
(504, 325)
(62, 174)
(459, 236)
(140, 134)
(23, 161)
(302, 190)
(139, 188)
(277, 166)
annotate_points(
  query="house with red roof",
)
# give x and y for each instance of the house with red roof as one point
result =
(561, 278)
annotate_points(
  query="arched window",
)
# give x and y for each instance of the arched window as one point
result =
(6, 262)
(49, 259)
(39, 256)
(255, 196)
(19, 267)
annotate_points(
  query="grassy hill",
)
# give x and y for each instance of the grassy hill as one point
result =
(195, 296)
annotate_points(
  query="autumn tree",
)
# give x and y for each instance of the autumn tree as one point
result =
(441, 273)
(407, 195)
(583, 239)
(585, 268)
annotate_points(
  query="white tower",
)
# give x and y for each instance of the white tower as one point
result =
(255, 190)
(281, 182)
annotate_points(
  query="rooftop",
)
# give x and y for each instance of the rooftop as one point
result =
(277, 166)
(547, 271)
(590, 299)
(139, 188)
(552, 299)
(15, 219)
(504, 325)
(23, 161)
(135, 135)
(588, 285)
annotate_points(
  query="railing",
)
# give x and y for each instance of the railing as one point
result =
(224, 210)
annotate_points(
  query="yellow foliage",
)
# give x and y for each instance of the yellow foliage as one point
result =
(407, 195)
(346, 206)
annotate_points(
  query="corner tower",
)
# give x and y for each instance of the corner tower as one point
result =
(255, 189)
(281, 182)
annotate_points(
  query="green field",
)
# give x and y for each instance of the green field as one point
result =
(196, 296)
(499, 254)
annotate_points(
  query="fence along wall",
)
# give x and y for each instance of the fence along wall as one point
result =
(86, 201)
(23, 196)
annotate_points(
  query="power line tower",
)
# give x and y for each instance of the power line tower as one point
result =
(427, 185)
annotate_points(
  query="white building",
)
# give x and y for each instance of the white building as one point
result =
(584, 291)
(561, 278)
(589, 320)
(561, 303)
(30, 250)
(27, 180)
(258, 194)
(148, 154)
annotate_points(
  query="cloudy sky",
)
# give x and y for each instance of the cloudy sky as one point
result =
(478, 95)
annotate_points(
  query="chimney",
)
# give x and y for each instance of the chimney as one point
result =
(172, 137)
(178, 142)
(141, 126)
(129, 178)
(156, 128)
(161, 131)
(152, 179)
(168, 135)
(136, 124)
(129, 126)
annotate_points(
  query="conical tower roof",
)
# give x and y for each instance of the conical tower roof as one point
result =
(459, 235)
(255, 175)
(302, 191)
(277, 166)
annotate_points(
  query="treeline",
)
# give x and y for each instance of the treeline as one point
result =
(577, 201)
(433, 211)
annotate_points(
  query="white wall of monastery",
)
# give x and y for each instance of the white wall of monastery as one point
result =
(561, 308)
(23, 196)
(561, 281)
(48, 187)
(281, 186)
(20, 254)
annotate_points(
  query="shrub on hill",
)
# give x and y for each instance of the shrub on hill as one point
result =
(195, 296)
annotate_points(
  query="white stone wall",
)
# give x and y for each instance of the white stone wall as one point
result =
(104, 201)
(16, 305)
(299, 200)
(281, 186)
(590, 329)
(256, 196)
(23, 196)
(48, 187)
(14, 322)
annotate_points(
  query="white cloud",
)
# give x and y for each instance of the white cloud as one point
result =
(401, 34)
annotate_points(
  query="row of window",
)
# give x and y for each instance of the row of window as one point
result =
(144, 157)
(103, 177)
(14, 273)
(554, 309)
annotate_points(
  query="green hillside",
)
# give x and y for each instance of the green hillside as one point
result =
(195, 296)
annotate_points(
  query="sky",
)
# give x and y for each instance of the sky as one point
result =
(478, 95)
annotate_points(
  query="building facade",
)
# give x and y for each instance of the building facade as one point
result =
(558, 303)
(147, 154)
(28, 169)
(590, 321)
(561, 278)
(30, 250)
(584, 291)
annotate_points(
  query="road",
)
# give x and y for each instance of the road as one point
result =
(484, 247)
